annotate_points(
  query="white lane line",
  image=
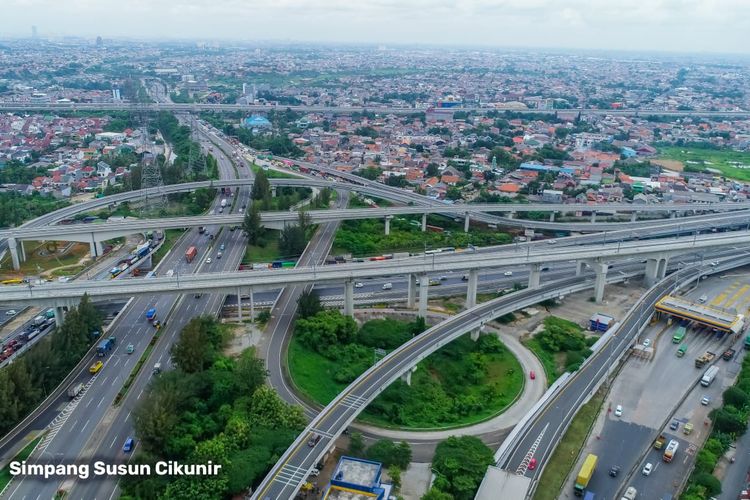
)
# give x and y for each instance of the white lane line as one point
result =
(100, 402)
(113, 442)
(84, 425)
(139, 394)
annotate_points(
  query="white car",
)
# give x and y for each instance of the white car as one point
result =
(647, 469)
(705, 400)
(388, 286)
(618, 411)
(63, 279)
(10, 312)
(314, 473)
(646, 342)
(508, 273)
(208, 260)
(551, 242)
(358, 284)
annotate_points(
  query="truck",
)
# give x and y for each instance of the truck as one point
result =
(584, 475)
(223, 203)
(660, 441)
(709, 376)
(39, 320)
(671, 450)
(105, 346)
(679, 335)
(201, 229)
(630, 494)
(49, 313)
(190, 254)
(701, 361)
(142, 250)
(75, 390)
(728, 354)
(151, 315)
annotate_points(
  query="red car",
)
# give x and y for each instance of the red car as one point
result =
(532, 463)
(532, 375)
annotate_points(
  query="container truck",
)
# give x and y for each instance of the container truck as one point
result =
(39, 320)
(190, 254)
(50, 313)
(142, 250)
(671, 450)
(679, 335)
(705, 358)
(104, 347)
(584, 475)
(151, 314)
(709, 376)
(74, 390)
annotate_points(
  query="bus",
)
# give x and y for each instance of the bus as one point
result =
(12, 281)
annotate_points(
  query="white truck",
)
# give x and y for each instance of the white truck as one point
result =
(709, 376)
(75, 390)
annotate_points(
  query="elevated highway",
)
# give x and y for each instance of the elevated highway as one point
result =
(196, 107)
(655, 252)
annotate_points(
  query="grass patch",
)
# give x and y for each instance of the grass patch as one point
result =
(43, 256)
(5, 476)
(266, 253)
(170, 237)
(312, 373)
(561, 346)
(727, 161)
(564, 457)
(274, 174)
(546, 358)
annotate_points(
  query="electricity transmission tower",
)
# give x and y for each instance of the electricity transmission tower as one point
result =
(152, 185)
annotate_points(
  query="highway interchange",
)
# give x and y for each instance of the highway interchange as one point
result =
(107, 428)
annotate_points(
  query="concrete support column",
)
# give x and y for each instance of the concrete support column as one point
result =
(424, 284)
(467, 222)
(95, 248)
(23, 251)
(672, 215)
(552, 216)
(661, 271)
(252, 306)
(652, 271)
(511, 215)
(601, 280)
(239, 304)
(633, 216)
(424, 222)
(59, 316)
(593, 216)
(475, 333)
(406, 377)
(349, 298)
(273, 191)
(535, 275)
(471, 289)
(388, 224)
(580, 267)
(411, 291)
(13, 247)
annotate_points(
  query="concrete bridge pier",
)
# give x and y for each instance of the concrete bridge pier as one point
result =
(13, 247)
(601, 280)
(467, 222)
(349, 298)
(633, 216)
(672, 215)
(23, 251)
(656, 269)
(424, 222)
(273, 191)
(388, 224)
(424, 285)
(471, 289)
(252, 306)
(593, 217)
(59, 315)
(406, 377)
(552, 216)
(475, 333)
(411, 291)
(580, 267)
(535, 275)
(95, 248)
(511, 215)
(239, 304)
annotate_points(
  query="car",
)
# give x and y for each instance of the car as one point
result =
(646, 342)
(532, 464)
(508, 273)
(10, 312)
(387, 286)
(674, 425)
(465, 277)
(129, 444)
(618, 411)
(94, 369)
(241, 210)
(714, 263)
(210, 236)
(314, 472)
(614, 470)
(208, 260)
(705, 400)
(444, 278)
(551, 242)
(647, 469)
(218, 255)
(233, 228)
(358, 284)
(130, 349)
(221, 247)
(314, 439)
(63, 279)
(198, 295)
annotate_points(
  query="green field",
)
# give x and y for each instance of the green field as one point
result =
(267, 253)
(170, 237)
(727, 161)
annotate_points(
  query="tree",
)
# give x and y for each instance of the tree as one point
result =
(453, 193)
(711, 483)
(268, 410)
(356, 444)
(462, 462)
(308, 304)
(325, 329)
(195, 350)
(436, 494)
(726, 420)
(252, 224)
(249, 371)
(261, 187)
(395, 474)
(432, 170)
(292, 241)
(736, 397)
(303, 220)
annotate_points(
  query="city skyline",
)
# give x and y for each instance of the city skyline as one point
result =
(698, 26)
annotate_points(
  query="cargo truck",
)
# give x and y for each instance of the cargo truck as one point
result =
(190, 254)
(660, 442)
(747, 342)
(151, 314)
(709, 376)
(74, 390)
(705, 358)
(671, 450)
(679, 335)
(39, 320)
(50, 313)
(584, 475)
(728, 355)
(105, 346)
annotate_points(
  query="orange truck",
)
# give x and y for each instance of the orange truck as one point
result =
(190, 254)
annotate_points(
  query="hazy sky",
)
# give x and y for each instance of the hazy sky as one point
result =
(669, 25)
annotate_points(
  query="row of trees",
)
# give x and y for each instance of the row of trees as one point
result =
(15, 208)
(28, 380)
(211, 407)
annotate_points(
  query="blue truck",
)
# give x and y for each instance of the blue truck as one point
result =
(105, 346)
(151, 314)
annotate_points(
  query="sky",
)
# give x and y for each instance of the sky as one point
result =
(659, 25)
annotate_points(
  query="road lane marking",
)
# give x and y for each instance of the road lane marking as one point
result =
(113, 442)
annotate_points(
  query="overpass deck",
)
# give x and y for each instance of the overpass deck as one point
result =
(720, 319)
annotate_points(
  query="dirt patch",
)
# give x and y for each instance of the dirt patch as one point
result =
(674, 165)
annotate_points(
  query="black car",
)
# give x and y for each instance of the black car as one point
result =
(614, 470)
